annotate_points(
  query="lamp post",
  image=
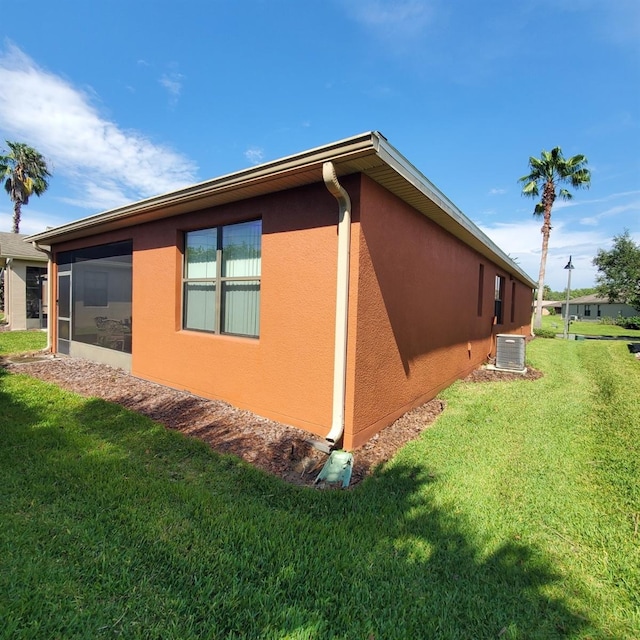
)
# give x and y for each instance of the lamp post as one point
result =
(569, 268)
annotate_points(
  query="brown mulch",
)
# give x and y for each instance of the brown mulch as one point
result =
(276, 448)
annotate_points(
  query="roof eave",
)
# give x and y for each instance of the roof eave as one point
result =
(265, 178)
(367, 153)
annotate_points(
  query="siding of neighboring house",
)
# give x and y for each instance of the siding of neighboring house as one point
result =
(601, 308)
(17, 316)
(25, 289)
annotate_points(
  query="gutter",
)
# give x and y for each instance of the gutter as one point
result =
(342, 301)
(227, 188)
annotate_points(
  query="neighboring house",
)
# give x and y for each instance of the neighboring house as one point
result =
(551, 306)
(593, 307)
(331, 290)
(24, 274)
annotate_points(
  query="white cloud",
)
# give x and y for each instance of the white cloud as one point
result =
(497, 192)
(107, 192)
(523, 242)
(172, 82)
(392, 20)
(105, 165)
(33, 220)
(578, 202)
(611, 212)
(254, 155)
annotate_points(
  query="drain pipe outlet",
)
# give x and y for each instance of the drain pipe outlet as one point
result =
(342, 301)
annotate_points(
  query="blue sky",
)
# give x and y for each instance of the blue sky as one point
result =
(131, 99)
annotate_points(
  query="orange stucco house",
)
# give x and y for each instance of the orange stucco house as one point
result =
(332, 290)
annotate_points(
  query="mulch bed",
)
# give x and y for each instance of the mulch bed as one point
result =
(276, 448)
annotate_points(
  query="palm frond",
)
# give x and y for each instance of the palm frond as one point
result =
(581, 178)
(530, 189)
(556, 155)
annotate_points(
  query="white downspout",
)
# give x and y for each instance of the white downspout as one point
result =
(49, 255)
(342, 301)
(7, 288)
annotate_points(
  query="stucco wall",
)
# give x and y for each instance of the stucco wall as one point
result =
(418, 327)
(413, 312)
(285, 374)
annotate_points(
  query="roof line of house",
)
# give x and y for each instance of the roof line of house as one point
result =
(235, 182)
(368, 153)
(12, 245)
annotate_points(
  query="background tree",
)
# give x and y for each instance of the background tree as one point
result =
(24, 172)
(574, 293)
(618, 276)
(547, 175)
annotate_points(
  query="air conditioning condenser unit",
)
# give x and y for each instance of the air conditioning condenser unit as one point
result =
(510, 352)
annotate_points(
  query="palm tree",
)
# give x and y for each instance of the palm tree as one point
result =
(548, 173)
(24, 172)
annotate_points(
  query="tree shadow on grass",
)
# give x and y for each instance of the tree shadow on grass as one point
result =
(18, 418)
(196, 544)
(470, 592)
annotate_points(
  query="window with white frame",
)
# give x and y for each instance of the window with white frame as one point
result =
(221, 279)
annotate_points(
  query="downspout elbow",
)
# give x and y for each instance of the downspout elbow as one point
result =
(342, 301)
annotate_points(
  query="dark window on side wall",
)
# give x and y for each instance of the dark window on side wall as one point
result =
(513, 302)
(499, 299)
(35, 278)
(480, 289)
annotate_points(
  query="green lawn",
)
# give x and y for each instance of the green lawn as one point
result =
(588, 328)
(20, 341)
(515, 516)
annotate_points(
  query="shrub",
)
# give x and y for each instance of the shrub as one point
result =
(608, 320)
(632, 322)
(544, 333)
